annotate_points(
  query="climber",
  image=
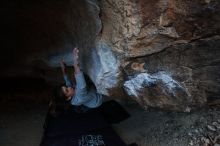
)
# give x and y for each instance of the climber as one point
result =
(77, 92)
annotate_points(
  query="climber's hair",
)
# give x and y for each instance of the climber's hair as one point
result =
(58, 102)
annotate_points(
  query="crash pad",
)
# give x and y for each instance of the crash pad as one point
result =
(91, 128)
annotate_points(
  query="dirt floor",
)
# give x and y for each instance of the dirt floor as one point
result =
(159, 128)
(22, 116)
(21, 124)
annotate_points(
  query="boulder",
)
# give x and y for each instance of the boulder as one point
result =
(161, 53)
(167, 51)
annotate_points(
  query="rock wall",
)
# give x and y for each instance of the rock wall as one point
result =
(166, 50)
(46, 32)
(161, 53)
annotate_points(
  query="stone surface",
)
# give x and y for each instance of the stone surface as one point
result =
(179, 77)
(46, 32)
(167, 50)
(210, 127)
(161, 53)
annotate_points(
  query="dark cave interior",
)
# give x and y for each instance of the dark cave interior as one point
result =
(37, 34)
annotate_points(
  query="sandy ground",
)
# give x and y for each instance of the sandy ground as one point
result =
(21, 124)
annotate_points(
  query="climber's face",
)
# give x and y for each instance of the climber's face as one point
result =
(68, 92)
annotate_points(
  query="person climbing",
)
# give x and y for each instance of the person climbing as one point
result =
(76, 91)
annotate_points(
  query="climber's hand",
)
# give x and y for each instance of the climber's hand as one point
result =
(75, 56)
(63, 66)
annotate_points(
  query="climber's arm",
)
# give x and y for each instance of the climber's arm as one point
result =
(65, 76)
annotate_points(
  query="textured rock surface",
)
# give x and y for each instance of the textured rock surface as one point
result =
(168, 50)
(162, 53)
(179, 77)
(138, 28)
(46, 32)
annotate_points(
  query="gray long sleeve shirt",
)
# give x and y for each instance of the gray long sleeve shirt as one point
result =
(84, 95)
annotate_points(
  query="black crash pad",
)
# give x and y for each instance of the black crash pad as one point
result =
(83, 129)
(113, 112)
